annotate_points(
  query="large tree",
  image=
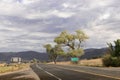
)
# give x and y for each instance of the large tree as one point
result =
(73, 41)
(54, 52)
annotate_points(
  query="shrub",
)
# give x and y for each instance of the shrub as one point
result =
(113, 58)
(115, 61)
(108, 60)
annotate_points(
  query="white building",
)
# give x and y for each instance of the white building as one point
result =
(16, 60)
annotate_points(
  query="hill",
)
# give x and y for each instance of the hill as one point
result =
(94, 53)
(25, 55)
(29, 55)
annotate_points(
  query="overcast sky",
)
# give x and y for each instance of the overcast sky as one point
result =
(29, 24)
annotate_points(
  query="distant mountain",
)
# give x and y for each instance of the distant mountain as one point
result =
(29, 55)
(25, 55)
(94, 53)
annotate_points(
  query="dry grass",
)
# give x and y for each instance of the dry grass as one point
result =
(4, 69)
(61, 63)
(91, 62)
(2, 64)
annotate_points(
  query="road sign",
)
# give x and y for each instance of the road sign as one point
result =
(74, 59)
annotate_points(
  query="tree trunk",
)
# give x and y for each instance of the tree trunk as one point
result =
(54, 61)
(72, 47)
(79, 45)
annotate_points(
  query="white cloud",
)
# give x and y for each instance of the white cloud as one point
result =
(28, 1)
(101, 35)
(10, 29)
(63, 14)
(7, 9)
(29, 24)
(65, 5)
(99, 3)
(38, 15)
(104, 16)
(69, 5)
(39, 34)
(50, 13)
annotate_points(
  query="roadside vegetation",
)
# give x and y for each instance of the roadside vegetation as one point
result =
(92, 62)
(112, 58)
(67, 44)
(54, 52)
(13, 67)
(74, 42)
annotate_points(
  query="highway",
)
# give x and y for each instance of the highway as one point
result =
(58, 72)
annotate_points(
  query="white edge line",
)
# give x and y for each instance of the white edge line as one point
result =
(48, 72)
(91, 73)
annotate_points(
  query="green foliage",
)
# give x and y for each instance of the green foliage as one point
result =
(115, 50)
(76, 53)
(58, 50)
(113, 58)
(106, 60)
(54, 52)
(68, 39)
(111, 61)
(48, 47)
(81, 36)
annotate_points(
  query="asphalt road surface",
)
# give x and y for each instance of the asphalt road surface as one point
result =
(57, 72)
(63, 72)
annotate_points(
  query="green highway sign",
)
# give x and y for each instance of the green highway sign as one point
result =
(75, 59)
